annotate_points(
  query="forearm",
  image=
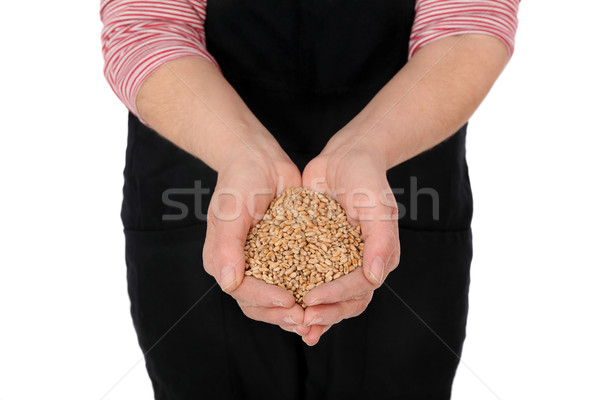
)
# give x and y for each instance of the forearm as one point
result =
(428, 100)
(189, 102)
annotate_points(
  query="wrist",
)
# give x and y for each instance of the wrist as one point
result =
(220, 143)
(357, 140)
(258, 147)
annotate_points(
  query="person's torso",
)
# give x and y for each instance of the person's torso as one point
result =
(306, 68)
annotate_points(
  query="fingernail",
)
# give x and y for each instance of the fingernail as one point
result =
(227, 277)
(279, 304)
(376, 269)
(289, 320)
(316, 321)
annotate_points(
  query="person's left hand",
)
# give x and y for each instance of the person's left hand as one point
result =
(355, 176)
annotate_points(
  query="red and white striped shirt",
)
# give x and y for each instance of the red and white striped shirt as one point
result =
(141, 35)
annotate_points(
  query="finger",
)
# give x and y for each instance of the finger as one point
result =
(314, 175)
(315, 334)
(254, 292)
(275, 315)
(330, 314)
(347, 287)
(231, 224)
(207, 256)
(369, 206)
(297, 329)
(381, 252)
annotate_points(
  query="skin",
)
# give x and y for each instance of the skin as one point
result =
(190, 103)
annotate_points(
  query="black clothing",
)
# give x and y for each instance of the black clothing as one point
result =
(305, 68)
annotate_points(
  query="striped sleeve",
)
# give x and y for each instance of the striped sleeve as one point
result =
(436, 19)
(140, 36)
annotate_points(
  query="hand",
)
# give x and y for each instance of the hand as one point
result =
(355, 176)
(246, 184)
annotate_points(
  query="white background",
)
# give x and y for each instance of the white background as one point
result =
(65, 330)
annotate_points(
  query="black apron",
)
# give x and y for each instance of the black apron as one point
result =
(305, 68)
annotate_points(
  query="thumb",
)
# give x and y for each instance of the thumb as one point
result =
(229, 261)
(381, 252)
(231, 224)
(314, 175)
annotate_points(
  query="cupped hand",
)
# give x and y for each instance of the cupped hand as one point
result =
(246, 184)
(356, 177)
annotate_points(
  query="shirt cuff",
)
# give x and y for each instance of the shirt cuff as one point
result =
(435, 20)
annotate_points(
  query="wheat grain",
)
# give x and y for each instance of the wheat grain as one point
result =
(303, 241)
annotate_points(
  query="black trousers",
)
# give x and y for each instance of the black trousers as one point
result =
(200, 346)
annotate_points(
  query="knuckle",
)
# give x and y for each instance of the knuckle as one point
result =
(394, 210)
(251, 299)
(251, 302)
(367, 299)
(392, 236)
(398, 255)
(206, 258)
(205, 253)
(360, 306)
(211, 217)
(395, 260)
(359, 296)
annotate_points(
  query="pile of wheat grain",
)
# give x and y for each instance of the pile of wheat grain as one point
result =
(303, 240)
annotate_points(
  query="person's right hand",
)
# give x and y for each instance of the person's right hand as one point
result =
(246, 184)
